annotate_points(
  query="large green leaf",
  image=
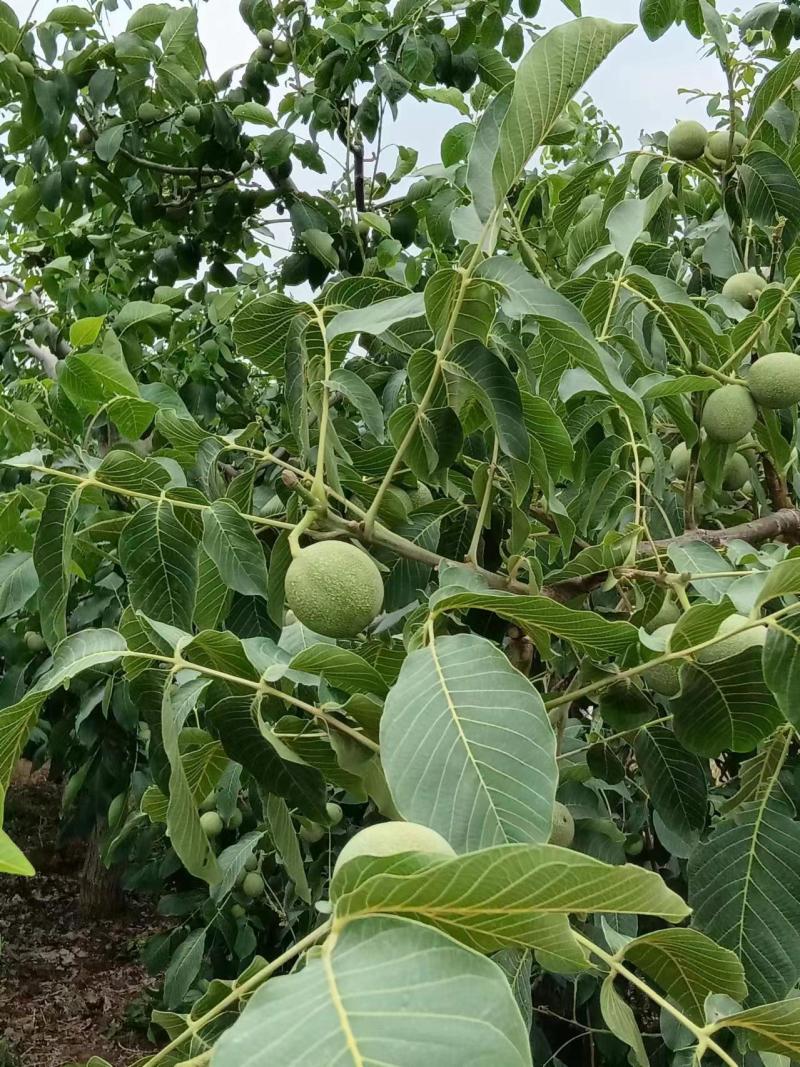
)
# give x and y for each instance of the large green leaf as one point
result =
(285, 840)
(230, 542)
(782, 665)
(52, 555)
(724, 705)
(159, 557)
(496, 390)
(91, 378)
(674, 778)
(658, 15)
(183, 821)
(16, 723)
(342, 667)
(584, 629)
(261, 329)
(376, 318)
(467, 746)
(80, 652)
(772, 191)
(744, 887)
(775, 85)
(383, 991)
(511, 895)
(546, 80)
(769, 1027)
(688, 966)
(619, 1017)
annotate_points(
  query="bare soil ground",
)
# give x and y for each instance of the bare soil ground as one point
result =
(69, 989)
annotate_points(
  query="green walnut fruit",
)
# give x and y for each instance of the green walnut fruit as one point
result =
(729, 413)
(718, 144)
(420, 496)
(191, 115)
(210, 803)
(736, 472)
(212, 824)
(253, 886)
(147, 112)
(312, 833)
(34, 641)
(238, 911)
(679, 459)
(335, 813)
(687, 140)
(635, 846)
(774, 380)
(295, 268)
(563, 829)
(266, 38)
(736, 644)
(392, 838)
(26, 69)
(334, 588)
(235, 820)
(664, 678)
(280, 49)
(251, 863)
(744, 288)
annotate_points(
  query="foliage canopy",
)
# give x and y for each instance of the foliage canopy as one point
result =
(512, 387)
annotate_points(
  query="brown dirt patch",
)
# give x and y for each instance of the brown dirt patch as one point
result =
(68, 988)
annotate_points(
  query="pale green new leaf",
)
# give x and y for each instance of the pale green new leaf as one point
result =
(688, 966)
(508, 896)
(546, 80)
(467, 746)
(12, 859)
(375, 318)
(159, 557)
(79, 652)
(383, 991)
(16, 723)
(230, 542)
(744, 887)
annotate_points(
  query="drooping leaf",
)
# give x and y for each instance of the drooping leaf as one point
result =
(384, 990)
(159, 557)
(52, 554)
(230, 542)
(674, 778)
(467, 746)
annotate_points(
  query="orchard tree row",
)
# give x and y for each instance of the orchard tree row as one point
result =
(402, 578)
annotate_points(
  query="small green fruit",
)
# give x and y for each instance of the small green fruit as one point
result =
(253, 886)
(191, 115)
(735, 645)
(147, 112)
(718, 144)
(26, 69)
(280, 49)
(34, 641)
(251, 863)
(687, 140)
(334, 588)
(774, 380)
(212, 824)
(729, 413)
(635, 846)
(392, 838)
(664, 678)
(736, 472)
(210, 803)
(679, 459)
(335, 813)
(420, 496)
(563, 829)
(312, 833)
(745, 288)
(235, 820)
(265, 38)
(238, 911)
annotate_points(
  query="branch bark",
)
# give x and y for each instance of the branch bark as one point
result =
(782, 523)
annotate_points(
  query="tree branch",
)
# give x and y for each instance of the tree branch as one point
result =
(782, 523)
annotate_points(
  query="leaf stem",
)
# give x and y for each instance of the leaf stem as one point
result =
(194, 1026)
(318, 485)
(612, 962)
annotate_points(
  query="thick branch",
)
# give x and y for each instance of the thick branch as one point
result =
(782, 523)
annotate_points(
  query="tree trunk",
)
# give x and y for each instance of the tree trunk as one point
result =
(100, 889)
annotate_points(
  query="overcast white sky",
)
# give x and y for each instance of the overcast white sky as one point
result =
(637, 90)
